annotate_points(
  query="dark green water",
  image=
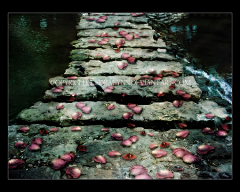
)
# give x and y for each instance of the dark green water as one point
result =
(38, 50)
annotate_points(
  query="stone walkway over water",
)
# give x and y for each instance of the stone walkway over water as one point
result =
(168, 102)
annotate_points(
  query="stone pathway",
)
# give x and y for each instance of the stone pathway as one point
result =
(152, 83)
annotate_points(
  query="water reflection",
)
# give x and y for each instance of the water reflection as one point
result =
(38, 50)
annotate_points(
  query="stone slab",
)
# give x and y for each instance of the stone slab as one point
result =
(111, 32)
(156, 114)
(124, 21)
(100, 68)
(138, 53)
(38, 164)
(147, 42)
(134, 91)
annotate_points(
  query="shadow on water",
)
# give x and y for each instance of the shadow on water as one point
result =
(38, 50)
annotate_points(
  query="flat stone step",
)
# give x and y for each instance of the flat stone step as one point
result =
(124, 21)
(99, 68)
(99, 142)
(107, 14)
(138, 53)
(115, 33)
(156, 115)
(135, 93)
(147, 42)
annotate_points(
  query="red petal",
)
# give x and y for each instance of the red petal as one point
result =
(182, 125)
(143, 132)
(129, 156)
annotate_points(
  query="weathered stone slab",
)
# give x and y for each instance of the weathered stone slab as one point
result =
(99, 68)
(138, 53)
(106, 14)
(152, 115)
(135, 93)
(37, 164)
(124, 21)
(111, 32)
(147, 42)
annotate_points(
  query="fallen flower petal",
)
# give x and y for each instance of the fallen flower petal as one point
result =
(207, 130)
(127, 115)
(15, 163)
(159, 153)
(137, 109)
(133, 138)
(116, 136)
(81, 147)
(190, 158)
(209, 115)
(73, 172)
(221, 133)
(143, 176)
(164, 144)
(164, 174)
(182, 134)
(76, 115)
(37, 140)
(68, 157)
(20, 144)
(76, 129)
(182, 125)
(114, 153)
(86, 109)
(177, 103)
(80, 105)
(59, 106)
(58, 163)
(204, 149)
(24, 129)
(100, 159)
(153, 146)
(33, 147)
(130, 125)
(142, 132)
(129, 156)
(126, 143)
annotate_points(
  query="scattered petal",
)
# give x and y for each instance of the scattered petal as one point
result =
(33, 147)
(131, 60)
(204, 149)
(128, 37)
(15, 163)
(24, 129)
(43, 131)
(172, 86)
(179, 152)
(126, 143)
(209, 115)
(150, 134)
(180, 92)
(53, 129)
(116, 136)
(174, 74)
(125, 56)
(73, 77)
(100, 159)
(224, 127)
(142, 132)
(160, 94)
(106, 57)
(207, 130)
(59, 106)
(137, 170)
(76, 115)
(123, 33)
(221, 133)
(86, 109)
(186, 96)
(182, 134)
(137, 109)
(182, 125)
(68, 157)
(129, 156)
(120, 42)
(37, 140)
(107, 90)
(81, 147)
(76, 129)
(92, 41)
(73, 172)
(153, 146)
(143, 176)
(190, 158)
(127, 115)
(110, 107)
(164, 144)
(20, 144)
(136, 36)
(130, 125)
(177, 103)
(164, 174)
(90, 19)
(57, 90)
(159, 153)
(122, 65)
(80, 105)
(114, 153)
(58, 163)
(133, 138)
(104, 34)
(105, 129)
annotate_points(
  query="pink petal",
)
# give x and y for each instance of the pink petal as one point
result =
(182, 134)
(120, 42)
(221, 133)
(136, 36)
(190, 158)
(179, 152)
(53, 129)
(104, 34)
(86, 109)
(128, 37)
(137, 170)
(131, 60)
(68, 157)
(100, 159)
(76, 129)
(177, 103)
(20, 144)
(102, 42)
(122, 65)
(127, 115)
(106, 57)
(150, 134)
(57, 90)
(99, 55)
(125, 55)
(110, 107)
(73, 172)
(100, 20)
(92, 41)
(105, 129)
(73, 77)
(58, 163)
(209, 115)
(137, 109)
(24, 129)
(159, 153)
(164, 174)
(116, 136)
(207, 130)
(133, 138)
(59, 106)
(143, 176)
(126, 142)
(80, 105)
(153, 146)
(15, 163)
(204, 149)
(76, 115)
(37, 140)
(180, 92)
(131, 105)
(114, 154)
(107, 90)
(90, 19)
(33, 147)
(186, 96)
(123, 33)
